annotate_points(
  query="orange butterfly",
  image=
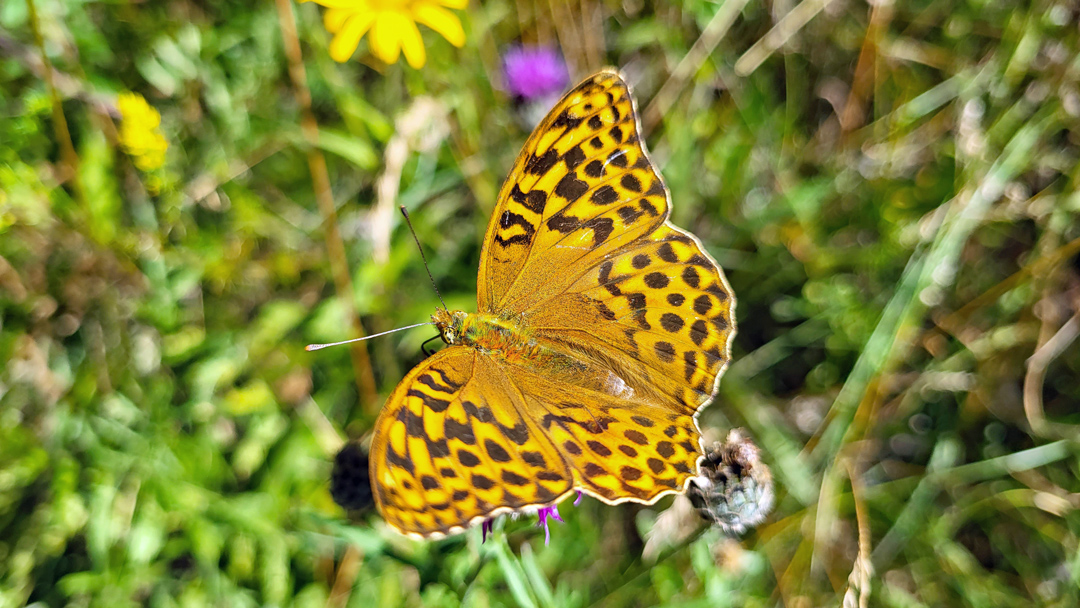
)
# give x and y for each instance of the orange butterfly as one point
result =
(601, 331)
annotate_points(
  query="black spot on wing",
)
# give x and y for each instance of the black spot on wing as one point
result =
(699, 331)
(496, 451)
(535, 459)
(518, 433)
(690, 359)
(549, 476)
(429, 381)
(605, 312)
(599, 448)
(717, 291)
(482, 482)
(671, 322)
(438, 449)
(629, 214)
(691, 277)
(602, 228)
(667, 253)
(618, 157)
(564, 224)
(648, 207)
(462, 432)
(398, 460)
(636, 436)
(513, 478)
(665, 351)
(414, 424)
(574, 157)
(656, 280)
(539, 165)
(702, 304)
(594, 470)
(533, 200)
(604, 195)
(446, 379)
(571, 188)
(433, 403)
(467, 458)
(565, 120)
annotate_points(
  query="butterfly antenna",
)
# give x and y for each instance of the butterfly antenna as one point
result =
(405, 212)
(311, 347)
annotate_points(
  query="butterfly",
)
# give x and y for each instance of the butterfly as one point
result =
(601, 330)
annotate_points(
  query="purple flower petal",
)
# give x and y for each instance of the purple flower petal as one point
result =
(486, 527)
(534, 71)
(543, 514)
(580, 495)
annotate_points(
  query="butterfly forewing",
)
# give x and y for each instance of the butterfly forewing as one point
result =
(582, 188)
(453, 445)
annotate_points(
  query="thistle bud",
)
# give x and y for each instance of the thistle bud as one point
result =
(350, 483)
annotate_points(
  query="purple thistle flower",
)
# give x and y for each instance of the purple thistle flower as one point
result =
(533, 72)
(543, 514)
(486, 527)
(580, 495)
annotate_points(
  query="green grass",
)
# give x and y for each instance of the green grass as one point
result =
(890, 189)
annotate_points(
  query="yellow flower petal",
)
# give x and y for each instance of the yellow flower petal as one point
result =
(345, 42)
(335, 18)
(442, 21)
(412, 44)
(351, 5)
(458, 4)
(385, 41)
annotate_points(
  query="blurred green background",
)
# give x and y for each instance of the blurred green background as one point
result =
(891, 188)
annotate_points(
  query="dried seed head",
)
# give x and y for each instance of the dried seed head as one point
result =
(734, 489)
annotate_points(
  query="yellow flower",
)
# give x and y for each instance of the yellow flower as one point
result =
(392, 24)
(139, 134)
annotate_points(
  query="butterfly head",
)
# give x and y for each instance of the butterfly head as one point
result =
(450, 323)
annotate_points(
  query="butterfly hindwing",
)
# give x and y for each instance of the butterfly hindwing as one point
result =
(619, 445)
(660, 313)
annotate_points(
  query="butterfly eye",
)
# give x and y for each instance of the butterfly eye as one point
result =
(449, 336)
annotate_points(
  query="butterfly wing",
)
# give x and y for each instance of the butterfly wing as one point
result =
(582, 188)
(453, 446)
(619, 445)
(580, 250)
(659, 313)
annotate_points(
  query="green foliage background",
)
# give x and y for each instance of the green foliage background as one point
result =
(890, 187)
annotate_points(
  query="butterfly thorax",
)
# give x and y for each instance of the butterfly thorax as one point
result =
(490, 334)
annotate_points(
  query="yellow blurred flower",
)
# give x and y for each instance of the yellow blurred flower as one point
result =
(392, 24)
(139, 133)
